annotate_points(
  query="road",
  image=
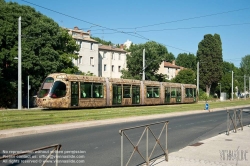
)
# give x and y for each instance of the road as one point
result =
(101, 145)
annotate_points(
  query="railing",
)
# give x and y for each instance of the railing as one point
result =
(146, 130)
(234, 117)
(57, 147)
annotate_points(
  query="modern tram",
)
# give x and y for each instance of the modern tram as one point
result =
(60, 90)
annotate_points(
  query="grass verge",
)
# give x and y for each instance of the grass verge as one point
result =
(34, 117)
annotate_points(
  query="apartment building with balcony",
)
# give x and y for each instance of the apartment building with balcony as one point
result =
(112, 61)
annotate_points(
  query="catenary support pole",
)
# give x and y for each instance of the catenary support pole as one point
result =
(198, 80)
(233, 85)
(143, 65)
(28, 104)
(19, 66)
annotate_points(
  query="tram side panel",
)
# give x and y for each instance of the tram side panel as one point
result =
(92, 92)
(189, 92)
(124, 92)
(151, 90)
(172, 93)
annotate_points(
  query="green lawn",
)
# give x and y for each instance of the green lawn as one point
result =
(26, 118)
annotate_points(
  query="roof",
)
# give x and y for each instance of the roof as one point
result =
(111, 48)
(84, 38)
(168, 64)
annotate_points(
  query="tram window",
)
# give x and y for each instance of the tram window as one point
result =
(153, 92)
(189, 92)
(91, 90)
(126, 91)
(173, 92)
(178, 90)
(97, 90)
(58, 90)
(47, 84)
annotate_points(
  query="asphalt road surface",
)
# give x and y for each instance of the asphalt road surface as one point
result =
(101, 145)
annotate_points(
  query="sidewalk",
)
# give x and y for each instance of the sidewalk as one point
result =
(221, 150)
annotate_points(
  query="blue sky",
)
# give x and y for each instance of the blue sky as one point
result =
(178, 24)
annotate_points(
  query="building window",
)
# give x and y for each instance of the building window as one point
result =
(112, 68)
(168, 69)
(105, 68)
(119, 56)
(80, 59)
(119, 68)
(91, 46)
(92, 61)
(113, 56)
(104, 54)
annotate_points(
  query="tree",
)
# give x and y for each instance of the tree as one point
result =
(186, 60)
(170, 57)
(209, 55)
(186, 76)
(104, 42)
(245, 65)
(154, 55)
(46, 48)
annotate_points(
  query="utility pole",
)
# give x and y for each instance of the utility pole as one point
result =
(233, 85)
(28, 92)
(19, 66)
(245, 87)
(198, 80)
(143, 65)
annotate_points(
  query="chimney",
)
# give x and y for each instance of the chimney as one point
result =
(173, 62)
(76, 28)
(89, 32)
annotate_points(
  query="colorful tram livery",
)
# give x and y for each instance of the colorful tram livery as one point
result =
(60, 90)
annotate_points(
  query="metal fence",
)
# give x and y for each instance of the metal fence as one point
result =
(55, 149)
(147, 159)
(234, 117)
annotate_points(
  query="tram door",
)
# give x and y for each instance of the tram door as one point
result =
(74, 93)
(167, 95)
(117, 94)
(135, 94)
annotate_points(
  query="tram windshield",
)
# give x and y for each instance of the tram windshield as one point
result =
(58, 90)
(47, 84)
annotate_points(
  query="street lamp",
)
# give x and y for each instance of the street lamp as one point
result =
(220, 90)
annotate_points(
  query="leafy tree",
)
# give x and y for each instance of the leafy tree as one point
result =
(245, 65)
(185, 76)
(209, 55)
(104, 42)
(186, 60)
(154, 54)
(46, 48)
(170, 57)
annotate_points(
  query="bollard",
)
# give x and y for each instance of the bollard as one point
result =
(207, 106)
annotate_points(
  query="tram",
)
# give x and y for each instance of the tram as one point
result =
(60, 90)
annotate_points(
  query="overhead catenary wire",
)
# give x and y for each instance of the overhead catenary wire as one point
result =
(135, 34)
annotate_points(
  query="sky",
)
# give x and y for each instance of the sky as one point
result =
(177, 24)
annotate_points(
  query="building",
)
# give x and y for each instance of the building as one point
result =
(101, 60)
(169, 69)
(127, 44)
(88, 54)
(112, 61)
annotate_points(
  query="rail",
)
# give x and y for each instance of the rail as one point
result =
(146, 130)
(234, 117)
(57, 147)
